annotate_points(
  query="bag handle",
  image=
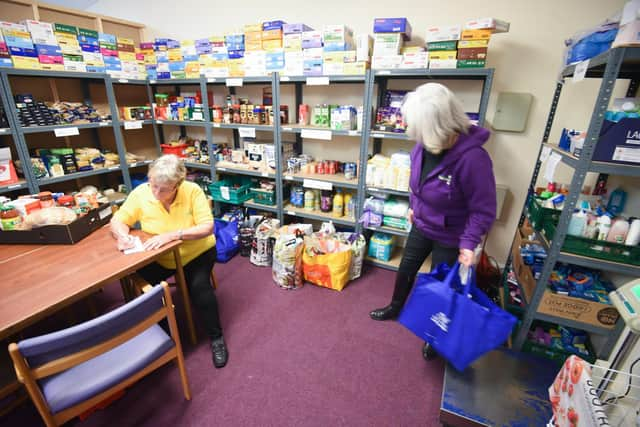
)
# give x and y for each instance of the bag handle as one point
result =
(469, 285)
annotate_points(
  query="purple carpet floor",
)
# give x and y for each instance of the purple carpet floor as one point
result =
(308, 357)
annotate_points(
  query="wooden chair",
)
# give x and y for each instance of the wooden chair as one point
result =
(134, 285)
(59, 369)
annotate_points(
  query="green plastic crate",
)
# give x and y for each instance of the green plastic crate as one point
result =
(556, 354)
(538, 214)
(263, 197)
(595, 248)
(234, 189)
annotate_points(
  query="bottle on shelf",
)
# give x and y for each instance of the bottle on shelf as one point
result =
(604, 225)
(633, 236)
(616, 201)
(309, 199)
(577, 224)
(338, 204)
(618, 232)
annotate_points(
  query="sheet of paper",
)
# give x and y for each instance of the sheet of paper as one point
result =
(544, 155)
(552, 164)
(137, 246)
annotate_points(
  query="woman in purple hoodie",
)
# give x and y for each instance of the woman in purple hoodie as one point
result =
(452, 189)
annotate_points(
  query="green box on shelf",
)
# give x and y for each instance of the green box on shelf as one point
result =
(593, 248)
(233, 189)
(555, 354)
(263, 197)
(63, 28)
(539, 215)
(447, 45)
(87, 33)
(471, 63)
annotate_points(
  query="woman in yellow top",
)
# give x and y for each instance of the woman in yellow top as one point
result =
(171, 208)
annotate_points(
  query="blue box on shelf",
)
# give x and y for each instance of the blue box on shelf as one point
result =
(393, 25)
(295, 28)
(50, 50)
(272, 25)
(107, 38)
(20, 51)
(619, 142)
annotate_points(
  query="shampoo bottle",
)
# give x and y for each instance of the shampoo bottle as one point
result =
(633, 236)
(619, 231)
(616, 201)
(577, 224)
(604, 225)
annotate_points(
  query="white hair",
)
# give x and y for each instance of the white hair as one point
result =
(434, 116)
(167, 169)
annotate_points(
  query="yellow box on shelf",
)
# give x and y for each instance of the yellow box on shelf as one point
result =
(443, 54)
(467, 44)
(356, 68)
(26, 63)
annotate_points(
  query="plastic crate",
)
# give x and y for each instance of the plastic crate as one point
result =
(234, 189)
(595, 248)
(556, 354)
(538, 214)
(263, 197)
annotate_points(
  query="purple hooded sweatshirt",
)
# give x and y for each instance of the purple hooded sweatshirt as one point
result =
(456, 203)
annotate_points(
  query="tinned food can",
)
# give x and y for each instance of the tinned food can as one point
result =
(350, 170)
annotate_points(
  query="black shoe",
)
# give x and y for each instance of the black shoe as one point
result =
(219, 352)
(428, 352)
(386, 313)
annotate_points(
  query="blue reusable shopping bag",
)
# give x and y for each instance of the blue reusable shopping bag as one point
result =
(227, 239)
(459, 321)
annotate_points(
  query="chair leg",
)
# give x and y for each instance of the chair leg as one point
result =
(214, 281)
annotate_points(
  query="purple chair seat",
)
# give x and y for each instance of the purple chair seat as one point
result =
(94, 376)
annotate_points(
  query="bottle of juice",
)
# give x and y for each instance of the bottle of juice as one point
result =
(348, 206)
(338, 204)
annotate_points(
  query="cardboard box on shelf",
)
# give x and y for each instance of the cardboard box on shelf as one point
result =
(495, 25)
(443, 33)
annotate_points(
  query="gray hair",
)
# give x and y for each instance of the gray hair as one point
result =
(434, 115)
(167, 169)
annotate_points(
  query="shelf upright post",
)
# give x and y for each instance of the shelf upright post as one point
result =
(299, 87)
(156, 133)
(382, 88)
(487, 83)
(207, 117)
(117, 131)
(16, 131)
(614, 62)
(364, 148)
(277, 141)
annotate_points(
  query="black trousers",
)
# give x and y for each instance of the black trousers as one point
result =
(416, 251)
(197, 275)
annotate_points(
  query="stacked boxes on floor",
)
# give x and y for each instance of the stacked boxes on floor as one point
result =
(20, 46)
(49, 53)
(442, 46)
(90, 46)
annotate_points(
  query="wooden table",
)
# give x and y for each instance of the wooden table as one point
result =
(502, 388)
(37, 280)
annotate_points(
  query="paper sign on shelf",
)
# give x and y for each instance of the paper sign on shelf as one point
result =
(285, 78)
(104, 123)
(316, 134)
(317, 81)
(247, 132)
(216, 125)
(211, 80)
(123, 81)
(133, 124)
(66, 131)
(318, 185)
(377, 135)
(580, 71)
(152, 81)
(383, 72)
(552, 164)
(288, 177)
(234, 82)
(544, 155)
(224, 192)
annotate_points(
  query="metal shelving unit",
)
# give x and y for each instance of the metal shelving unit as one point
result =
(620, 63)
(381, 78)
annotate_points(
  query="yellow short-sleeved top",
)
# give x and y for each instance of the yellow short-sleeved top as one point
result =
(189, 208)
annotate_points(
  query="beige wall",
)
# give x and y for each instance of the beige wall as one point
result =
(527, 59)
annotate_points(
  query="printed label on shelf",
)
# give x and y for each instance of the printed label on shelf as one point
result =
(377, 135)
(318, 81)
(104, 212)
(353, 133)
(211, 80)
(318, 185)
(152, 81)
(11, 187)
(114, 168)
(544, 155)
(265, 173)
(288, 177)
(133, 124)
(291, 213)
(285, 79)
(552, 164)
(316, 134)
(383, 72)
(4, 130)
(123, 81)
(159, 122)
(221, 169)
(580, 71)
(287, 129)
(216, 125)
(104, 124)
(224, 192)
(66, 131)
(234, 82)
(626, 154)
(247, 132)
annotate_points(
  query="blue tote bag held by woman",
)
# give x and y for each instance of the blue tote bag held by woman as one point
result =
(459, 321)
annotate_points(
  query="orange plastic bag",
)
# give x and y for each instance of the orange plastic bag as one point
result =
(330, 270)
